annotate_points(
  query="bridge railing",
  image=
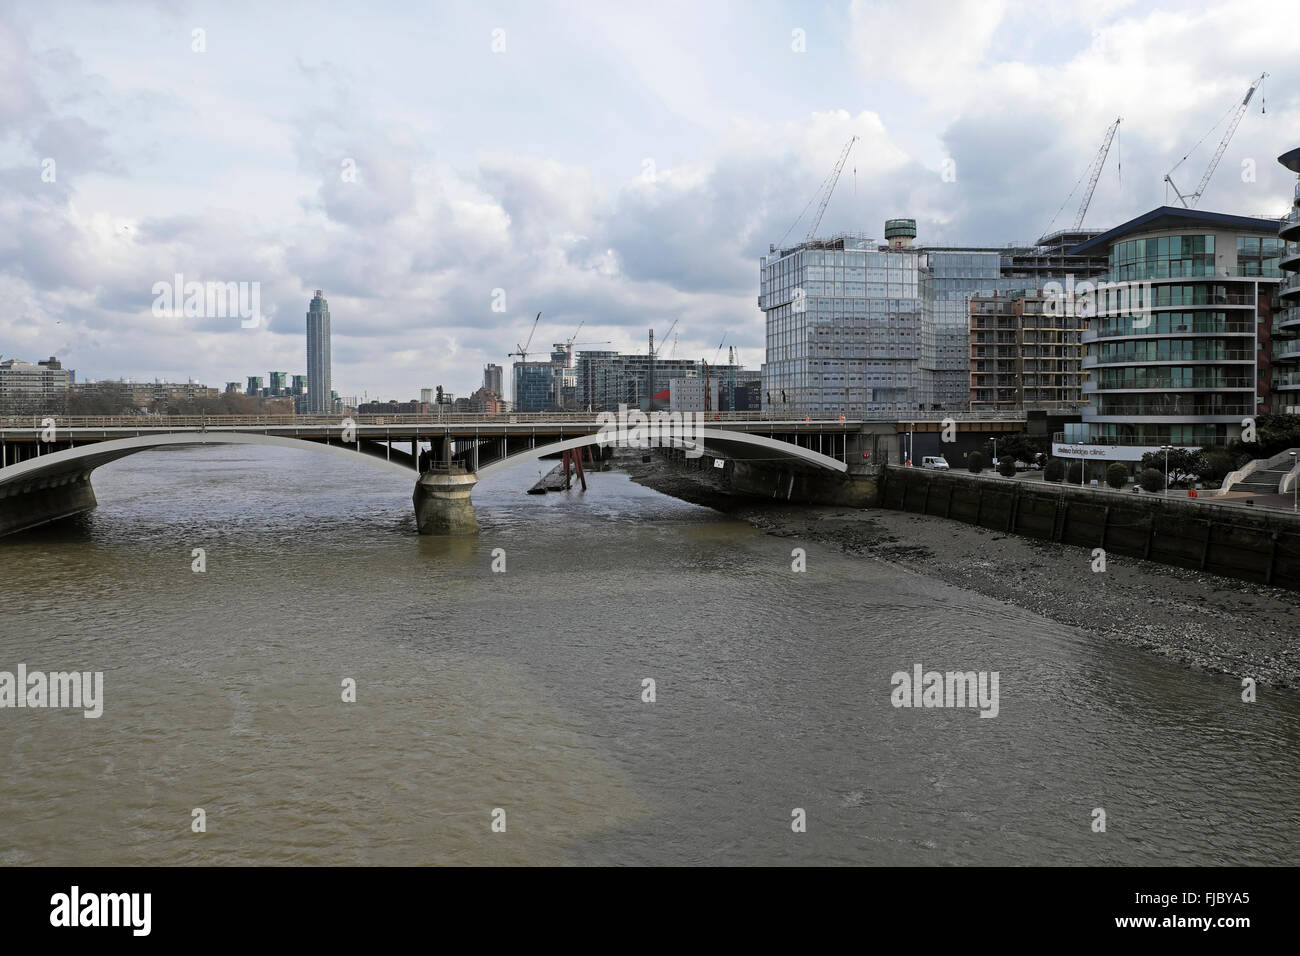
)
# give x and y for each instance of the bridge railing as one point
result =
(460, 418)
(27, 422)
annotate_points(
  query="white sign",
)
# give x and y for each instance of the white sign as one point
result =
(1104, 452)
(719, 463)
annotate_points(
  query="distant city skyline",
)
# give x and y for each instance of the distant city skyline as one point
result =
(346, 160)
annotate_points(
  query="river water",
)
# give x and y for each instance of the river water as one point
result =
(522, 691)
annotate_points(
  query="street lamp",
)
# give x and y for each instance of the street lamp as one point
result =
(1295, 485)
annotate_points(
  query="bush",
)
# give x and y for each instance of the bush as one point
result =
(1055, 470)
(1152, 480)
(975, 462)
(1074, 475)
(1117, 475)
(1007, 467)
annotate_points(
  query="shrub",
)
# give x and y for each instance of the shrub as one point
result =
(1055, 470)
(1007, 467)
(975, 462)
(1152, 480)
(1074, 474)
(1117, 475)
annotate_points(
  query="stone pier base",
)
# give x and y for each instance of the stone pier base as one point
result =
(442, 504)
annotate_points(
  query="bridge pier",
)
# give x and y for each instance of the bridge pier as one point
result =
(43, 500)
(442, 504)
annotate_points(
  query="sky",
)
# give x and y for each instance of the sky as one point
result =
(446, 171)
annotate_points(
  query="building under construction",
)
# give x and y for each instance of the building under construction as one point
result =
(1026, 353)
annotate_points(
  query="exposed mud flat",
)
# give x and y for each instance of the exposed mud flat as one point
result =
(1200, 620)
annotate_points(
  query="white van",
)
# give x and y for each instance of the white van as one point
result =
(938, 464)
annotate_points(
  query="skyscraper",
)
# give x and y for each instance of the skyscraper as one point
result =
(319, 395)
(493, 380)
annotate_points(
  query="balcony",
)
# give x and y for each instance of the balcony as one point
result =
(1290, 286)
(1132, 384)
(1287, 380)
(1289, 227)
(1289, 352)
(1227, 328)
(1104, 409)
(1092, 361)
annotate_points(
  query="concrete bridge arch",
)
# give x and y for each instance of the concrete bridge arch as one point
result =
(56, 484)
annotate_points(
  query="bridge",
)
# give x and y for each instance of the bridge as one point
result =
(46, 462)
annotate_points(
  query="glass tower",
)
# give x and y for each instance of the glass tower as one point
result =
(319, 395)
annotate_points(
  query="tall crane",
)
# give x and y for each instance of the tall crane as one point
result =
(569, 343)
(1093, 172)
(650, 361)
(1097, 164)
(1237, 113)
(829, 186)
(824, 191)
(522, 350)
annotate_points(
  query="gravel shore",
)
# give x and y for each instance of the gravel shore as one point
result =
(1200, 620)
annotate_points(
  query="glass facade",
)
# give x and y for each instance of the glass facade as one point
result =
(535, 386)
(1259, 255)
(860, 330)
(320, 396)
(1183, 370)
(1162, 257)
(844, 322)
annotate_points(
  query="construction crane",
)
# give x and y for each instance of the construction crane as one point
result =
(650, 361)
(569, 343)
(829, 185)
(824, 191)
(1097, 164)
(1093, 173)
(673, 351)
(522, 350)
(1237, 112)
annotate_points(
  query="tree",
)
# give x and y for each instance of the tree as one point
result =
(975, 462)
(1007, 467)
(1074, 475)
(1215, 466)
(1116, 475)
(1152, 480)
(104, 398)
(1055, 470)
(1016, 445)
(1184, 464)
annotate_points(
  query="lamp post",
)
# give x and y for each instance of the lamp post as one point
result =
(1166, 448)
(1295, 485)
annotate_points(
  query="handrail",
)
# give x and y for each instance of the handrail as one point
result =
(434, 421)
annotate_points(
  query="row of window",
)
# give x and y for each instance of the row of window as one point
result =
(1171, 377)
(1173, 350)
(1163, 323)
